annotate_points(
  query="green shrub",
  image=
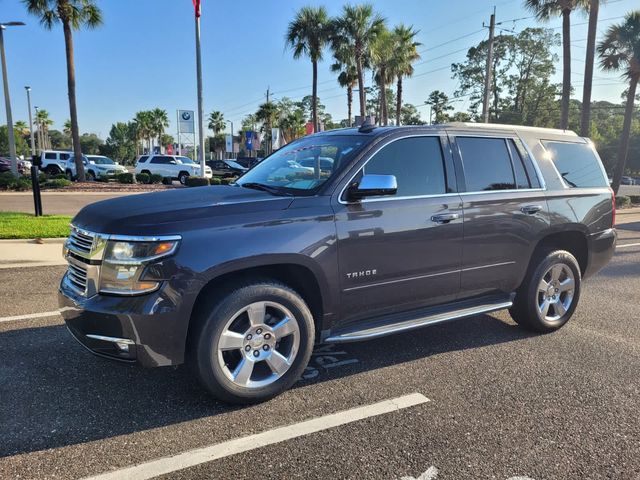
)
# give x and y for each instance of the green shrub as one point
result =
(42, 177)
(215, 181)
(167, 181)
(57, 183)
(197, 182)
(59, 176)
(227, 181)
(22, 184)
(143, 178)
(155, 178)
(7, 180)
(125, 178)
(622, 201)
(635, 199)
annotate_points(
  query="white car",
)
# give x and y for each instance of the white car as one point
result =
(95, 167)
(53, 162)
(175, 167)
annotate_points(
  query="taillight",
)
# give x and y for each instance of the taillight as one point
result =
(613, 207)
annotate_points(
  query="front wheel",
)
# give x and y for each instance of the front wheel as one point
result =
(550, 292)
(254, 343)
(90, 176)
(69, 175)
(182, 178)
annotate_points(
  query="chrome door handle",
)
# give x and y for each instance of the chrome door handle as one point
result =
(444, 217)
(531, 209)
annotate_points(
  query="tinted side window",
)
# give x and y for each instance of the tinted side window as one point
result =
(159, 160)
(522, 179)
(50, 156)
(577, 164)
(527, 160)
(487, 165)
(64, 156)
(143, 159)
(416, 162)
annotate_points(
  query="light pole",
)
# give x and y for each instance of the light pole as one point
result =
(33, 142)
(7, 101)
(232, 152)
(199, 78)
(36, 108)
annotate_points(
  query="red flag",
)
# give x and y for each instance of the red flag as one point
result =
(196, 5)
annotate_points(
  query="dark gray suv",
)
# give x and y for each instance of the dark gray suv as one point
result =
(410, 226)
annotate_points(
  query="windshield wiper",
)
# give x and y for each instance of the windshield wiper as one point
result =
(264, 188)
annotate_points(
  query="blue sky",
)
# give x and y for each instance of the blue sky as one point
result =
(143, 56)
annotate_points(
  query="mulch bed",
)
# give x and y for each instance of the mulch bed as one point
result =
(93, 187)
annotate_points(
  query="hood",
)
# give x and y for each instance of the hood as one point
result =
(173, 211)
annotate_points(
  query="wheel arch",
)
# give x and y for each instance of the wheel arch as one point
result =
(573, 239)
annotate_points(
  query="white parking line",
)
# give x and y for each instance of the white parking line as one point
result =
(30, 316)
(628, 245)
(198, 456)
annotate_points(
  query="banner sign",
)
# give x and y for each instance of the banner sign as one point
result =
(196, 6)
(228, 143)
(186, 119)
(275, 138)
(248, 135)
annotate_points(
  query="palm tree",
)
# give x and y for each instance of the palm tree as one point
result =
(44, 122)
(73, 14)
(544, 10)
(383, 56)
(407, 54)
(585, 118)
(66, 129)
(267, 114)
(307, 34)
(358, 27)
(144, 126)
(216, 122)
(21, 128)
(620, 51)
(345, 67)
(159, 121)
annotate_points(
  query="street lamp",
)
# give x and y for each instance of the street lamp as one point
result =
(33, 142)
(7, 101)
(232, 152)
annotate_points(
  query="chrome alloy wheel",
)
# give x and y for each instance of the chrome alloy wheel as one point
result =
(259, 344)
(555, 292)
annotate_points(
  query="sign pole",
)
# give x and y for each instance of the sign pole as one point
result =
(179, 149)
(199, 75)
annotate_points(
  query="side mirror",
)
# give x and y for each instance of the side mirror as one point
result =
(92, 162)
(374, 185)
(173, 162)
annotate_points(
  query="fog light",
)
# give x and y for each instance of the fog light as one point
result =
(123, 347)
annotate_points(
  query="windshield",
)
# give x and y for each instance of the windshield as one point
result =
(185, 160)
(102, 160)
(302, 165)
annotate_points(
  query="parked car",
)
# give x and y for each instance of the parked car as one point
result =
(141, 159)
(226, 168)
(95, 167)
(5, 164)
(627, 181)
(175, 167)
(248, 162)
(54, 162)
(24, 167)
(414, 226)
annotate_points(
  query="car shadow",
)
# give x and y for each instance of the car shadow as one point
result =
(54, 394)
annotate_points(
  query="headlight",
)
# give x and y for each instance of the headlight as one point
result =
(125, 261)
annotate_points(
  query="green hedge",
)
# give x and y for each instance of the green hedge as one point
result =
(57, 183)
(125, 178)
(155, 178)
(622, 201)
(635, 199)
(143, 178)
(215, 181)
(197, 182)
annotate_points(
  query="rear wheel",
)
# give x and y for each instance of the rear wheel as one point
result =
(52, 170)
(182, 177)
(69, 175)
(91, 176)
(254, 343)
(550, 292)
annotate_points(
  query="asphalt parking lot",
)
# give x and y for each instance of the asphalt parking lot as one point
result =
(493, 401)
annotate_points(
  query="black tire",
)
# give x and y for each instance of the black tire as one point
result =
(182, 178)
(526, 309)
(91, 176)
(52, 170)
(213, 320)
(69, 175)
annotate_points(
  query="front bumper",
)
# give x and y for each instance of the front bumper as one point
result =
(149, 329)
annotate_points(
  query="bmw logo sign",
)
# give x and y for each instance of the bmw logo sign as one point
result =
(186, 116)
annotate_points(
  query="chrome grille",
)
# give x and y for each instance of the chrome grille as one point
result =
(77, 275)
(80, 242)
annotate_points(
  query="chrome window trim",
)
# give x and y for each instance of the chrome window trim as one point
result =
(385, 198)
(136, 238)
(510, 190)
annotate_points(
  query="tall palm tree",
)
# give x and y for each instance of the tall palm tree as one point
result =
(345, 67)
(267, 114)
(544, 10)
(585, 118)
(308, 34)
(359, 26)
(159, 121)
(21, 128)
(216, 122)
(66, 129)
(144, 126)
(73, 14)
(383, 58)
(619, 50)
(407, 54)
(44, 122)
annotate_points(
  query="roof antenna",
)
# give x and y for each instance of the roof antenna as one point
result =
(368, 125)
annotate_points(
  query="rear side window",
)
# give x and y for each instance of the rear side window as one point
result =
(64, 156)
(416, 162)
(143, 159)
(160, 160)
(487, 164)
(577, 164)
(50, 156)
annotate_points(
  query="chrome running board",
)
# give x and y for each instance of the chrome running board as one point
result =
(411, 324)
